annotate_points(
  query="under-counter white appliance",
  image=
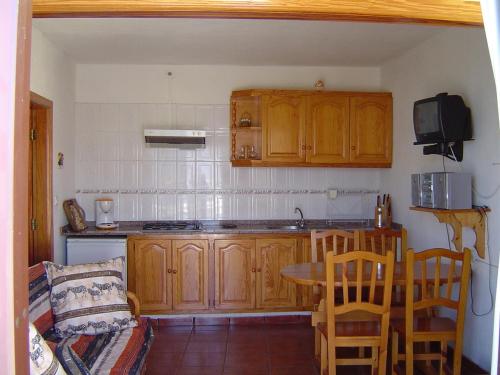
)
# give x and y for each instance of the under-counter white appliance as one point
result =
(90, 250)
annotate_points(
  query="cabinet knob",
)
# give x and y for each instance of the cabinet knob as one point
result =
(169, 270)
(174, 271)
(353, 148)
(259, 270)
(303, 147)
(253, 269)
(309, 147)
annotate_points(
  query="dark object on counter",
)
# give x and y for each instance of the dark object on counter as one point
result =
(75, 215)
(172, 225)
(383, 212)
(229, 226)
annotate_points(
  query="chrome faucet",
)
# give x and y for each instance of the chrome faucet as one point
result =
(301, 223)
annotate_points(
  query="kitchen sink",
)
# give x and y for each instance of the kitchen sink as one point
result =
(284, 227)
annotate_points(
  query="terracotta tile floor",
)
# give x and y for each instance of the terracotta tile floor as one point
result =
(233, 349)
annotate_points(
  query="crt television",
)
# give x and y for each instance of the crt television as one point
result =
(441, 119)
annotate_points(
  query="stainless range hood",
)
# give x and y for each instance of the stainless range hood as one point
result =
(193, 138)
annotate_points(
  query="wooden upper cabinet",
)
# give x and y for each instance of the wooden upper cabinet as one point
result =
(235, 274)
(371, 129)
(190, 274)
(283, 123)
(272, 256)
(327, 133)
(151, 266)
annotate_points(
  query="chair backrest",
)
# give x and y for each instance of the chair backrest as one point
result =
(338, 241)
(435, 279)
(380, 241)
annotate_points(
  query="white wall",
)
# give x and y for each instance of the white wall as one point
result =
(115, 103)
(53, 77)
(457, 62)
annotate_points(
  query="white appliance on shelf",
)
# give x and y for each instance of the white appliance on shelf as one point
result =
(90, 250)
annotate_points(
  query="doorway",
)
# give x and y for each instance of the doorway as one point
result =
(40, 181)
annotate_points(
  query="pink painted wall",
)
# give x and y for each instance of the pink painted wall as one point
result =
(8, 37)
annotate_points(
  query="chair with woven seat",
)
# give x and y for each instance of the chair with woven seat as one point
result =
(435, 289)
(337, 241)
(358, 270)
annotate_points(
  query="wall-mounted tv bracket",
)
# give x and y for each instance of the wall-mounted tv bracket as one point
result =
(452, 150)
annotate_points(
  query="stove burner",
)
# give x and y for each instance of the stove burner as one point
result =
(172, 225)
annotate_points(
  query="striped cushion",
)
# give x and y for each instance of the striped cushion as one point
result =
(89, 299)
(42, 360)
(122, 352)
(40, 312)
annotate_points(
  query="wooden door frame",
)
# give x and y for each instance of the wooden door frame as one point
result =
(39, 102)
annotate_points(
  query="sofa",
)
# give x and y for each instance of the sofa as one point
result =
(118, 352)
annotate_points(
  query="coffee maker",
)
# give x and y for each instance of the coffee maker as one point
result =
(104, 214)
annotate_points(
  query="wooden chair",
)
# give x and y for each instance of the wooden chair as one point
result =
(348, 269)
(425, 328)
(337, 241)
(382, 240)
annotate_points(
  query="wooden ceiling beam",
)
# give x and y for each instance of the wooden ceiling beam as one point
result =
(448, 12)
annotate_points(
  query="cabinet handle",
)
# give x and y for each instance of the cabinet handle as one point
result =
(169, 270)
(174, 271)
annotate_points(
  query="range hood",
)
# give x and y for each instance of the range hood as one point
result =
(194, 138)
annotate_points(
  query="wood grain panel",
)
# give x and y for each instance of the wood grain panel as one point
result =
(190, 274)
(234, 274)
(459, 12)
(152, 277)
(283, 122)
(327, 135)
(371, 129)
(272, 256)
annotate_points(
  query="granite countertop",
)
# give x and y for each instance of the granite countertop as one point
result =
(126, 228)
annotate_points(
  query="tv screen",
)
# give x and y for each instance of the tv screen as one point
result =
(426, 118)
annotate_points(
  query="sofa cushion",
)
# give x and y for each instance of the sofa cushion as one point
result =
(40, 312)
(42, 360)
(89, 299)
(116, 352)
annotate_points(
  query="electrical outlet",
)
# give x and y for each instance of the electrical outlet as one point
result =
(332, 193)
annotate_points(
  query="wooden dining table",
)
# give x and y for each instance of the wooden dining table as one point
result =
(314, 274)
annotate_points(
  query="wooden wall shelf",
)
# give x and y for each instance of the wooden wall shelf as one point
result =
(472, 218)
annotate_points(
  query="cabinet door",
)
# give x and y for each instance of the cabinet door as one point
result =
(328, 129)
(272, 256)
(234, 274)
(283, 122)
(190, 274)
(151, 273)
(371, 129)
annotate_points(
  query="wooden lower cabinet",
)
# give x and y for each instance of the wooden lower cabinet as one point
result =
(234, 274)
(149, 265)
(272, 256)
(190, 274)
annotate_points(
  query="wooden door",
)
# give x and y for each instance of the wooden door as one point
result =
(235, 274)
(152, 273)
(371, 129)
(283, 123)
(327, 135)
(40, 181)
(272, 256)
(190, 274)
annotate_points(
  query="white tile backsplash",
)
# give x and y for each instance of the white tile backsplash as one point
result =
(186, 207)
(205, 206)
(158, 182)
(129, 175)
(186, 175)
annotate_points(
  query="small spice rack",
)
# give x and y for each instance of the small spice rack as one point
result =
(472, 218)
